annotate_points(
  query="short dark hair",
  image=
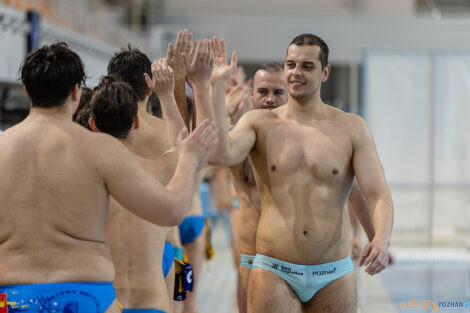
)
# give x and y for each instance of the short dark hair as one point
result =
(87, 93)
(129, 65)
(83, 116)
(50, 74)
(114, 106)
(313, 40)
(270, 67)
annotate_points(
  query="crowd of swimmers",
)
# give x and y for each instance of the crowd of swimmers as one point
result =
(101, 209)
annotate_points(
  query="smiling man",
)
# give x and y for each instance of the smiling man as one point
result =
(305, 156)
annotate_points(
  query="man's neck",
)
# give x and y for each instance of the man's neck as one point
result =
(129, 141)
(142, 107)
(306, 111)
(64, 111)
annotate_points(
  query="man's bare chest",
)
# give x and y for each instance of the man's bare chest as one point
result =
(292, 150)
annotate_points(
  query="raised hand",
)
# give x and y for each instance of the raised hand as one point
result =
(174, 55)
(162, 81)
(375, 257)
(199, 62)
(222, 70)
(200, 144)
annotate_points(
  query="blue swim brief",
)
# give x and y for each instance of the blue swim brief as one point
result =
(142, 311)
(246, 260)
(58, 297)
(305, 280)
(179, 253)
(167, 260)
(191, 228)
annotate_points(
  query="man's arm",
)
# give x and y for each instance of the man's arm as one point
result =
(371, 178)
(174, 58)
(199, 64)
(360, 212)
(235, 147)
(141, 193)
(162, 83)
(163, 166)
(356, 243)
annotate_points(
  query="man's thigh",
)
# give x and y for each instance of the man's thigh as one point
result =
(338, 296)
(243, 276)
(268, 293)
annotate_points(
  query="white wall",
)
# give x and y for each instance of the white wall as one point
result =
(12, 45)
(297, 7)
(418, 106)
(259, 38)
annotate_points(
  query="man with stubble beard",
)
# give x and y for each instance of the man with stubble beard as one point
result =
(269, 91)
(305, 156)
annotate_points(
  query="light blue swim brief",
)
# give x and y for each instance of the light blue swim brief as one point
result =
(178, 253)
(246, 261)
(305, 280)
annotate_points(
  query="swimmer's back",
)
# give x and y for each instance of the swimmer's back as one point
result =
(151, 138)
(53, 204)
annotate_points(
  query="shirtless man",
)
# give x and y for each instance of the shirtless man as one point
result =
(139, 279)
(53, 251)
(154, 137)
(305, 155)
(269, 91)
(150, 139)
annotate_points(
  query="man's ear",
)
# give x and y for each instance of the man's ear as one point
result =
(76, 93)
(25, 91)
(326, 73)
(251, 92)
(136, 122)
(149, 92)
(91, 123)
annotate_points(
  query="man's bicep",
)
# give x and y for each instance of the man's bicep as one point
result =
(366, 163)
(126, 179)
(163, 167)
(242, 141)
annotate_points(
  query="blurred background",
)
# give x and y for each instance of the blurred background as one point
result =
(404, 65)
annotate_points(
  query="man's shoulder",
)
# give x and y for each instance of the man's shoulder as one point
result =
(348, 119)
(101, 145)
(154, 121)
(260, 115)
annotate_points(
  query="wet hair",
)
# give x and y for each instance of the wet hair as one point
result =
(270, 67)
(87, 93)
(313, 40)
(113, 107)
(129, 65)
(50, 74)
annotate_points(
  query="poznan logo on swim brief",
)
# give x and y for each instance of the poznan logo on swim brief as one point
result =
(321, 273)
